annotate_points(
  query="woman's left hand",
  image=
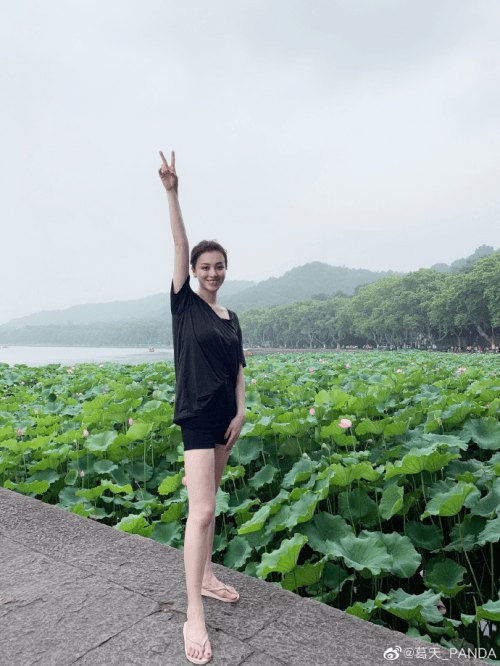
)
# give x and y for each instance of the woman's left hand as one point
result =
(233, 431)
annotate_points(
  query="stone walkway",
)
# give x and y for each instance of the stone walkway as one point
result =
(74, 591)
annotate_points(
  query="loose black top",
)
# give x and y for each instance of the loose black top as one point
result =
(208, 351)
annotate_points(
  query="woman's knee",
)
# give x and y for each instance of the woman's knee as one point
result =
(202, 513)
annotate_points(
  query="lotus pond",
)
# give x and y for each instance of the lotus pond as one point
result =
(367, 481)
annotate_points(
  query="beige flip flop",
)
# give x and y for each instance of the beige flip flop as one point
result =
(193, 660)
(211, 592)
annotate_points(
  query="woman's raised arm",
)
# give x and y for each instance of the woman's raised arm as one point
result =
(181, 257)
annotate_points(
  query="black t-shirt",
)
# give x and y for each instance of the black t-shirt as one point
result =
(208, 351)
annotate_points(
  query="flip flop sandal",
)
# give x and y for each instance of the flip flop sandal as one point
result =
(211, 592)
(193, 660)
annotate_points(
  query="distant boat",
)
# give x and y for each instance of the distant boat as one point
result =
(151, 349)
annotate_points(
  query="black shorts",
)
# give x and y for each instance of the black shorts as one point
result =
(203, 436)
(208, 428)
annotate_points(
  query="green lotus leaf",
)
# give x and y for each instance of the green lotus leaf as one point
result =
(137, 524)
(221, 502)
(335, 576)
(277, 501)
(406, 560)
(257, 521)
(485, 432)
(465, 534)
(391, 501)
(296, 428)
(299, 473)
(263, 477)
(101, 441)
(357, 505)
(247, 449)
(104, 466)
(278, 521)
(358, 611)
(307, 574)
(419, 607)
(367, 427)
(444, 576)
(170, 484)
(395, 428)
(488, 611)
(220, 543)
(412, 463)
(362, 553)
(491, 533)
(91, 493)
(252, 399)
(284, 559)
(233, 473)
(238, 552)
(173, 512)
(487, 505)
(325, 528)
(256, 429)
(167, 533)
(114, 488)
(138, 431)
(35, 488)
(449, 503)
(71, 477)
(302, 510)
(428, 537)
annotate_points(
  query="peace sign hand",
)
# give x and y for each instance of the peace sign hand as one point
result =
(167, 173)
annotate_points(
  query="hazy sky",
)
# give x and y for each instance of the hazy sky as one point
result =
(362, 133)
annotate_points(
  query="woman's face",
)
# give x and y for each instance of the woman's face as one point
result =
(210, 270)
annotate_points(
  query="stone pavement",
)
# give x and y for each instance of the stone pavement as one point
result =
(74, 591)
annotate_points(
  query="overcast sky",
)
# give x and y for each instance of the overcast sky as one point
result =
(362, 133)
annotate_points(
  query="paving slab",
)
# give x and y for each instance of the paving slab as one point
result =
(73, 591)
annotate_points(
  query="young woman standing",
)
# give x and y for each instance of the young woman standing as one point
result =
(209, 405)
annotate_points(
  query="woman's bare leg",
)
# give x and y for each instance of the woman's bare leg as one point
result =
(209, 580)
(199, 465)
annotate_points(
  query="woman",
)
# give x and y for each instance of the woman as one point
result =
(209, 405)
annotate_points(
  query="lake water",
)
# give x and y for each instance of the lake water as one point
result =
(66, 356)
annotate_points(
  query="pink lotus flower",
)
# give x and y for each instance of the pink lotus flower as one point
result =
(20, 432)
(412, 363)
(369, 365)
(400, 371)
(102, 365)
(260, 361)
(82, 473)
(254, 381)
(150, 382)
(130, 421)
(347, 365)
(437, 369)
(312, 411)
(85, 432)
(3, 398)
(299, 362)
(36, 411)
(266, 376)
(344, 423)
(79, 394)
(311, 369)
(488, 405)
(105, 390)
(22, 383)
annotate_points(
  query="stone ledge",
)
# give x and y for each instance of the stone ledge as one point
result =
(78, 592)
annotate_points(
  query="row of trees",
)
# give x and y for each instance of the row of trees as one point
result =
(421, 307)
(426, 307)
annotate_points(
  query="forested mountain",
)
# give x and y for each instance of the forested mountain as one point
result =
(483, 251)
(303, 282)
(117, 311)
(425, 305)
